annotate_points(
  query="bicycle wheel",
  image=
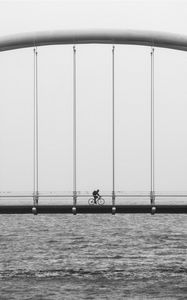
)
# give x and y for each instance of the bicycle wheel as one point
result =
(101, 201)
(91, 201)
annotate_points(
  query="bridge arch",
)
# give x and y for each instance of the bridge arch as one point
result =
(130, 37)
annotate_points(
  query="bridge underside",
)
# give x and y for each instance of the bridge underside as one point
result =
(96, 209)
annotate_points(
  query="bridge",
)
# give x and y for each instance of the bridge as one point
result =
(113, 37)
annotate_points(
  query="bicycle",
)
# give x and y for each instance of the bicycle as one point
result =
(99, 201)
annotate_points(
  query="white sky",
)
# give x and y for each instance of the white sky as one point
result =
(132, 86)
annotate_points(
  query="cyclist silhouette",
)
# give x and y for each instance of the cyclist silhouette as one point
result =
(96, 196)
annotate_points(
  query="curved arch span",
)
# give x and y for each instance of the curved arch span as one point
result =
(130, 37)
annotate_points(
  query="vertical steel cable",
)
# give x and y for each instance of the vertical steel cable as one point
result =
(74, 130)
(113, 127)
(34, 141)
(35, 179)
(36, 121)
(152, 129)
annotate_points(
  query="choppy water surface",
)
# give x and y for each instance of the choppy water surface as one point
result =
(93, 257)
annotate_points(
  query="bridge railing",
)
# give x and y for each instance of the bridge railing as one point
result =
(69, 194)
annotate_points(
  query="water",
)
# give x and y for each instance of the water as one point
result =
(93, 257)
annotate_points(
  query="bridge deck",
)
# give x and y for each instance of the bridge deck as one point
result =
(86, 209)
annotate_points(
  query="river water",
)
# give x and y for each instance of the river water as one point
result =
(93, 257)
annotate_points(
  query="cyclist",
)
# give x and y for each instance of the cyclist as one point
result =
(96, 196)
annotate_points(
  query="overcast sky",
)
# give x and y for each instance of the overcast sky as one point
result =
(94, 99)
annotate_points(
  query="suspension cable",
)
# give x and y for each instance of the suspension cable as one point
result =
(74, 130)
(113, 126)
(35, 173)
(152, 131)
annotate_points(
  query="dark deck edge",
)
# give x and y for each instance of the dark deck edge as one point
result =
(85, 209)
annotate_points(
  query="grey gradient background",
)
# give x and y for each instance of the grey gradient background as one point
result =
(94, 99)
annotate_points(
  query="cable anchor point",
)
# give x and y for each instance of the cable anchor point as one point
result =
(152, 200)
